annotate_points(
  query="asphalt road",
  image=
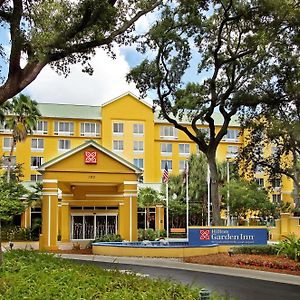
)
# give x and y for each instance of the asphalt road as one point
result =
(238, 287)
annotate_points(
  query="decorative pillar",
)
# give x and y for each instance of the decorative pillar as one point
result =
(65, 222)
(159, 217)
(48, 239)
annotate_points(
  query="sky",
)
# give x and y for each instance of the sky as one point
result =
(107, 82)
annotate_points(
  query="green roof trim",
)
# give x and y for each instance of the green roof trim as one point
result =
(217, 116)
(69, 111)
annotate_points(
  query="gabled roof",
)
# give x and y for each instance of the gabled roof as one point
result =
(127, 94)
(87, 144)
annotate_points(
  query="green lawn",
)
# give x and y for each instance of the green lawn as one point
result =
(32, 275)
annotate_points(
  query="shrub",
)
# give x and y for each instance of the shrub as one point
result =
(290, 247)
(17, 233)
(43, 276)
(148, 234)
(109, 238)
(262, 249)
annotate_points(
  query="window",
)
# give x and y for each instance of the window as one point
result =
(276, 183)
(139, 162)
(232, 135)
(64, 128)
(118, 128)
(118, 145)
(164, 162)
(274, 150)
(184, 149)
(166, 149)
(260, 182)
(36, 161)
(206, 132)
(182, 165)
(3, 128)
(7, 143)
(64, 144)
(36, 177)
(13, 161)
(138, 146)
(37, 144)
(232, 151)
(89, 129)
(138, 129)
(259, 169)
(41, 127)
(276, 198)
(168, 132)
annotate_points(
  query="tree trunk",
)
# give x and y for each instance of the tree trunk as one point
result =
(1, 253)
(214, 189)
(296, 181)
(9, 160)
(148, 217)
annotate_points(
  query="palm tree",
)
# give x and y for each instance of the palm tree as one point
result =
(21, 120)
(148, 197)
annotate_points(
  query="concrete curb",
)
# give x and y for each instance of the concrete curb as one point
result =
(178, 264)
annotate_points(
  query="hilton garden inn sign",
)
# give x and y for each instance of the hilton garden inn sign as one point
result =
(228, 235)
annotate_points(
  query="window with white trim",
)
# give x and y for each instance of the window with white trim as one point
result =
(139, 162)
(13, 161)
(36, 177)
(3, 128)
(64, 145)
(276, 183)
(165, 149)
(138, 146)
(182, 165)
(41, 127)
(276, 198)
(232, 151)
(163, 163)
(36, 162)
(260, 182)
(232, 135)
(118, 128)
(138, 129)
(37, 144)
(118, 145)
(7, 143)
(168, 132)
(184, 149)
(89, 129)
(63, 128)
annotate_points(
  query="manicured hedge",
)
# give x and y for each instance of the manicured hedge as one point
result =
(32, 275)
(263, 249)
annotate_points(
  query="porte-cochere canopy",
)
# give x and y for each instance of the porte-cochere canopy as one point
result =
(98, 195)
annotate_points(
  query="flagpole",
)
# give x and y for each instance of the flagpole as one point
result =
(167, 212)
(187, 199)
(208, 195)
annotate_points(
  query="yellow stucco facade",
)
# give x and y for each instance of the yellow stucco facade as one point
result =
(129, 129)
(89, 191)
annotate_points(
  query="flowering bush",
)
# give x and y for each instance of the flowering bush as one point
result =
(269, 264)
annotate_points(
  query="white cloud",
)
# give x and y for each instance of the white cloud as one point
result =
(107, 82)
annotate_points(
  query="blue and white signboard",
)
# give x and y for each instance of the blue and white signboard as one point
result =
(228, 236)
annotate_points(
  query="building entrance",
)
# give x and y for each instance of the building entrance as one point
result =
(90, 227)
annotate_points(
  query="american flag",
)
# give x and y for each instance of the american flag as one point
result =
(165, 176)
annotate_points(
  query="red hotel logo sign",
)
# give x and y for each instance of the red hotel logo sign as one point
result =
(205, 234)
(90, 157)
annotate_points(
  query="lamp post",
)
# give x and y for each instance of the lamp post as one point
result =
(228, 193)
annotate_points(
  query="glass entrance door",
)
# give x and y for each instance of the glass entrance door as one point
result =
(90, 227)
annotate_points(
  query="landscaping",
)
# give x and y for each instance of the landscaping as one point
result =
(42, 276)
(282, 258)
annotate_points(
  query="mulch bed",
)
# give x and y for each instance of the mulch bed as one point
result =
(269, 263)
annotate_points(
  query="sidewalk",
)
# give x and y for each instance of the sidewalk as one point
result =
(178, 264)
